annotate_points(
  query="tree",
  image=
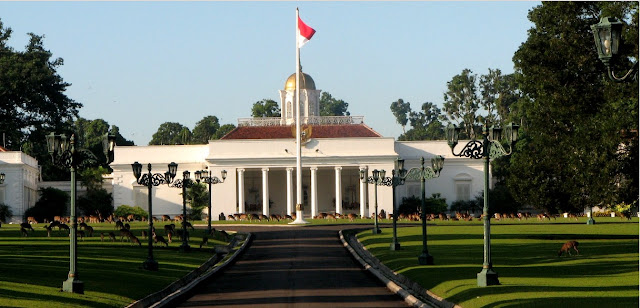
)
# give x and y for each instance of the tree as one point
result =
(52, 202)
(205, 130)
(32, 99)
(170, 133)
(89, 135)
(569, 157)
(400, 110)
(425, 124)
(198, 196)
(330, 106)
(461, 101)
(265, 108)
(223, 130)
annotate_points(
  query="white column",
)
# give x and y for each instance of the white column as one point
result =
(339, 190)
(314, 192)
(240, 190)
(363, 195)
(265, 191)
(289, 191)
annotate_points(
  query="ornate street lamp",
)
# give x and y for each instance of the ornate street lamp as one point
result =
(606, 34)
(486, 149)
(377, 178)
(152, 179)
(64, 153)
(205, 176)
(423, 173)
(184, 183)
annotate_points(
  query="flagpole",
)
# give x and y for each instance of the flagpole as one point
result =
(299, 213)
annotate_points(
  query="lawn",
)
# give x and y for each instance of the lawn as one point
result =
(33, 268)
(524, 254)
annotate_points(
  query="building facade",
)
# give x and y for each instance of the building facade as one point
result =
(260, 158)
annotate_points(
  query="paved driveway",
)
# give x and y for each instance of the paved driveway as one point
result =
(294, 267)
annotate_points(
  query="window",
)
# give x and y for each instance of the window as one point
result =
(462, 182)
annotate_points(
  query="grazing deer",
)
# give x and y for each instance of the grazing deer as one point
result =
(169, 228)
(264, 217)
(352, 217)
(79, 233)
(119, 225)
(94, 219)
(331, 217)
(112, 236)
(288, 217)
(273, 217)
(231, 217)
(567, 248)
(89, 230)
(23, 231)
(127, 226)
(32, 220)
(204, 242)
(158, 238)
(144, 234)
(124, 233)
(135, 240)
(102, 236)
(170, 236)
(131, 217)
(63, 226)
(82, 225)
(188, 224)
(26, 226)
(166, 218)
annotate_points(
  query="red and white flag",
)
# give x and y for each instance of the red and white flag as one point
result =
(305, 33)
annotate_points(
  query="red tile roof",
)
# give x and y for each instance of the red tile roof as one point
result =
(318, 131)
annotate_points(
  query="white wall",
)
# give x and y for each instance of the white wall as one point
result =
(19, 190)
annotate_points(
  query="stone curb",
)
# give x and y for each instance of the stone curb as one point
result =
(412, 293)
(166, 296)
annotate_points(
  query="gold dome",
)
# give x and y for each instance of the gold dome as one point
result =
(307, 82)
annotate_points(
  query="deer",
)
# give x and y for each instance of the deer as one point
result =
(32, 220)
(169, 228)
(23, 231)
(89, 230)
(48, 230)
(82, 225)
(231, 217)
(135, 240)
(352, 217)
(567, 248)
(79, 233)
(204, 242)
(123, 233)
(159, 238)
(127, 226)
(119, 225)
(102, 236)
(26, 226)
(273, 217)
(63, 226)
(112, 236)
(170, 236)
(144, 234)
(189, 225)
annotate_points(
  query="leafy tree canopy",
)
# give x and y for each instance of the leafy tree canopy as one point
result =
(265, 108)
(170, 133)
(570, 155)
(205, 130)
(330, 106)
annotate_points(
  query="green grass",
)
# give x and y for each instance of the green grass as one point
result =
(524, 254)
(33, 268)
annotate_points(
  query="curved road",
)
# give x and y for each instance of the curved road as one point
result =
(293, 267)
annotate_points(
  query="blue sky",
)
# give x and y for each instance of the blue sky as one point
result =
(140, 64)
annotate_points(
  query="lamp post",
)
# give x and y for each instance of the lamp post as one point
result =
(1, 178)
(422, 173)
(205, 176)
(486, 149)
(184, 183)
(63, 152)
(152, 179)
(606, 34)
(377, 178)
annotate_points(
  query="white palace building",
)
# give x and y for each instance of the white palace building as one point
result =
(260, 158)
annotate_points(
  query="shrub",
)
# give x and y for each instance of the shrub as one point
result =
(5, 212)
(125, 210)
(52, 202)
(96, 201)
